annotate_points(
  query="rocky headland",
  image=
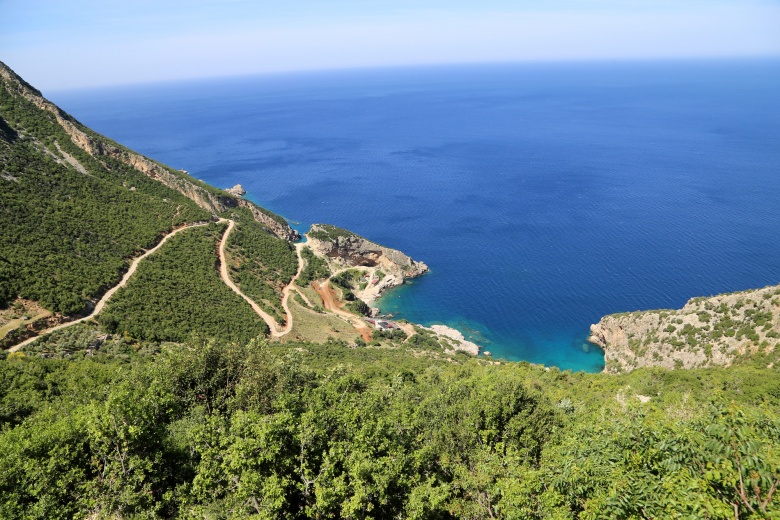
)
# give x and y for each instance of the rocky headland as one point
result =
(706, 332)
(387, 267)
(455, 340)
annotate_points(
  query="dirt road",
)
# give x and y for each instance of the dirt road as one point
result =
(102, 303)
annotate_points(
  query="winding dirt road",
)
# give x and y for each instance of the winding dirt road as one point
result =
(330, 303)
(276, 331)
(223, 272)
(323, 289)
(102, 303)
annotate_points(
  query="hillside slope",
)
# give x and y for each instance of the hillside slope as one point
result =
(75, 206)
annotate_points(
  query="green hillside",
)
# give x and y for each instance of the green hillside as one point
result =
(178, 292)
(67, 233)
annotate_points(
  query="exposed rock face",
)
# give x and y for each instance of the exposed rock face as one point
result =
(706, 332)
(456, 340)
(276, 224)
(237, 190)
(99, 146)
(349, 250)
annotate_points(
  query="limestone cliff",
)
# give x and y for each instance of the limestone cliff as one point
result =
(714, 331)
(350, 250)
(213, 200)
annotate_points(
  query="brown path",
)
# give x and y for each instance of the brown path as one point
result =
(110, 292)
(323, 289)
(330, 303)
(223, 272)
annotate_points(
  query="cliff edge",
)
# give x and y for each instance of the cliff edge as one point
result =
(387, 267)
(716, 331)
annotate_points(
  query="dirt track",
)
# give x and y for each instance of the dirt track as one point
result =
(323, 289)
(102, 303)
(330, 303)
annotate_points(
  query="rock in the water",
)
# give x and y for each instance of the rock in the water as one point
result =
(237, 190)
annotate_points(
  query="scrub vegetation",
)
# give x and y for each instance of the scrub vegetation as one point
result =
(260, 263)
(218, 430)
(177, 292)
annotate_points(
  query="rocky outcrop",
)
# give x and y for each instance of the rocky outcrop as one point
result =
(237, 191)
(273, 222)
(350, 250)
(385, 267)
(715, 331)
(454, 339)
(98, 146)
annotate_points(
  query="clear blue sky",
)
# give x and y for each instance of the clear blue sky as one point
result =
(57, 44)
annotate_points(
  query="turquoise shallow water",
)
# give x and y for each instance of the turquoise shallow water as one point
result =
(541, 196)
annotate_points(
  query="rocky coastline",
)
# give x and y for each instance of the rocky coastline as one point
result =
(386, 267)
(457, 342)
(707, 332)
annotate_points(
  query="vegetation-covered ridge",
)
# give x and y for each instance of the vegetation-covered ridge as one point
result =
(178, 292)
(76, 206)
(70, 222)
(212, 199)
(259, 263)
(716, 331)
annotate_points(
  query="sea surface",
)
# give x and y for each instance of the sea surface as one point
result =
(542, 196)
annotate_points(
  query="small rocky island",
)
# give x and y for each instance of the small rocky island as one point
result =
(237, 190)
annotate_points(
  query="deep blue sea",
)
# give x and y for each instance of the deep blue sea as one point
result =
(542, 196)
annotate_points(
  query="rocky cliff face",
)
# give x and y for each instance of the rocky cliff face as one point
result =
(715, 331)
(277, 225)
(349, 250)
(385, 267)
(98, 146)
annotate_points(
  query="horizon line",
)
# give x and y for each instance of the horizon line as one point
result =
(418, 66)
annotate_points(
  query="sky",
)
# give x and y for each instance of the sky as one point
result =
(56, 44)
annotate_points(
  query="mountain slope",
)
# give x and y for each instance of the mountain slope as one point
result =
(75, 206)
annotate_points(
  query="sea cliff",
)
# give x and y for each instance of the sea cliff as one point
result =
(716, 331)
(386, 267)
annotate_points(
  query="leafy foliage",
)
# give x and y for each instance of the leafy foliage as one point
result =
(302, 431)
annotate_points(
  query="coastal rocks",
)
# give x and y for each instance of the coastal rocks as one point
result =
(276, 224)
(385, 267)
(706, 332)
(455, 339)
(349, 249)
(97, 146)
(237, 190)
